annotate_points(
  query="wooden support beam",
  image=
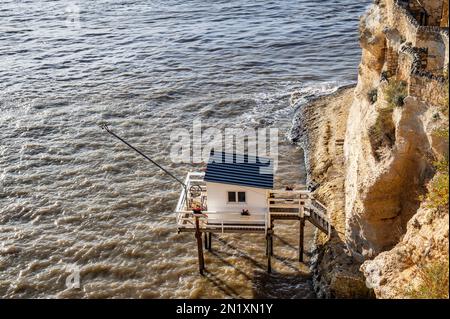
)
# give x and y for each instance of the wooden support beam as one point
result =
(301, 239)
(269, 239)
(209, 241)
(271, 236)
(271, 245)
(269, 262)
(205, 238)
(198, 236)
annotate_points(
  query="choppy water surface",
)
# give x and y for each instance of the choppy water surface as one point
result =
(72, 196)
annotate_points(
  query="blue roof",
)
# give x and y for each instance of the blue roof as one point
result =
(238, 169)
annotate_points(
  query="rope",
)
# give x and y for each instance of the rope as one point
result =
(106, 128)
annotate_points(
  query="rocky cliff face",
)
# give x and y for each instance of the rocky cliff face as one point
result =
(391, 145)
(391, 131)
(388, 149)
(397, 272)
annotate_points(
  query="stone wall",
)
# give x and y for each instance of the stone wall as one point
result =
(406, 61)
(423, 56)
(422, 84)
(400, 19)
(427, 88)
(392, 61)
(431, 37)
(431, 10)
(434, 11)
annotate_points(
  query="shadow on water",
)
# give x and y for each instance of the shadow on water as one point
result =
(224, 261)
(218, 283)
(288, 262)
(284, 242)
(242, 254)
(289, 278)
(276, 285)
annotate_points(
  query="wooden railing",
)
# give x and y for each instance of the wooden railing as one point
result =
(223, 221)
(281, 204)
(298, 204)
(214, 219)
(287, 202)
(318, 216)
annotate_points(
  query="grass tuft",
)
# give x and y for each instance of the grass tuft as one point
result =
(395, 92)
(372, 96)
(437, 197)
(433, 282)
(382, 133)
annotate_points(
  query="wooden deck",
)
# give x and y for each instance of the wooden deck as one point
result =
(283, 205)
(226, 222)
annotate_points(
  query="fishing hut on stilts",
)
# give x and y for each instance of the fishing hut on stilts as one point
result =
(235, 195)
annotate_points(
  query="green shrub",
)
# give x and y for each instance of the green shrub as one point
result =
(441, 132)
(382, 132)
(441, 166)
(395, 93)
(437, 197)
(438, 194)
(372, 96)
(433, 282)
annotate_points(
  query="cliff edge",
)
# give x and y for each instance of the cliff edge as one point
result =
(380, 155)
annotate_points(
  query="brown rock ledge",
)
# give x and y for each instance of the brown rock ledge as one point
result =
(319, 128)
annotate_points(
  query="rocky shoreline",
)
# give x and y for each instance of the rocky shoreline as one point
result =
(319, 129)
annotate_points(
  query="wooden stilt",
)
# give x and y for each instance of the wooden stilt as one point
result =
(269, 255)
(198, 236)
(205, 238)
(271, 245)
(209, 241)
(271, 237)
(301, 239)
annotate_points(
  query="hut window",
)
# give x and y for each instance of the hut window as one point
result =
(231, 197)
(234, 197)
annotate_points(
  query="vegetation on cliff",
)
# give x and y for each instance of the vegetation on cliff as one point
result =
(433, 276)
(395, 93)
(382, 133)
(433, 282)
(438, 187)
(437, 197)
(372, 96)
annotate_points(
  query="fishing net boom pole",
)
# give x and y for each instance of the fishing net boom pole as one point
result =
(106, 128)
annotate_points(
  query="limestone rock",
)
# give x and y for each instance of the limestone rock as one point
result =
(373, 184)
